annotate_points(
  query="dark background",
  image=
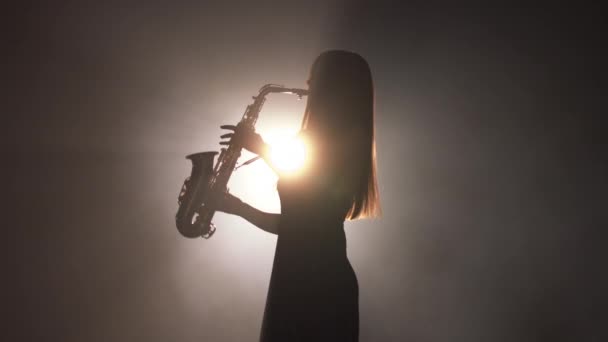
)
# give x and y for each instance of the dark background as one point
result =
(490, 155)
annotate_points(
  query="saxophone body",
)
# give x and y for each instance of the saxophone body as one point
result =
(208, 180)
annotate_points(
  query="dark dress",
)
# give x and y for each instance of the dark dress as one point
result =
(313, 292)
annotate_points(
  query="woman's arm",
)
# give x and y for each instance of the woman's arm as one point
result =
(265, 221)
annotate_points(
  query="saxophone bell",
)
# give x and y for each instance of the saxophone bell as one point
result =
(192, 196)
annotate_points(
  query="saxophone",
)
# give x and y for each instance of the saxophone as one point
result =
(207, 184)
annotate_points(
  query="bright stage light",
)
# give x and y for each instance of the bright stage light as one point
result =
(288, 155)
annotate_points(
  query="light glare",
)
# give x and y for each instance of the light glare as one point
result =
(288, 155)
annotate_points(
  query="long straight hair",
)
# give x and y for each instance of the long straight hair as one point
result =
(341, 104)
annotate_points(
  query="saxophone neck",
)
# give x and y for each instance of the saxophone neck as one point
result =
(277, 88)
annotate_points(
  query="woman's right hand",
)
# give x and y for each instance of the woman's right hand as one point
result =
(230, 204)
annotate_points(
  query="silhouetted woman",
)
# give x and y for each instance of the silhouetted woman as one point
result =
(313, 293)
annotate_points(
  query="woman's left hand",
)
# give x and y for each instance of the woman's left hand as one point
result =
(245, 137)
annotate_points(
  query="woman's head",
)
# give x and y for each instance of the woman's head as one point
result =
(340, 110)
